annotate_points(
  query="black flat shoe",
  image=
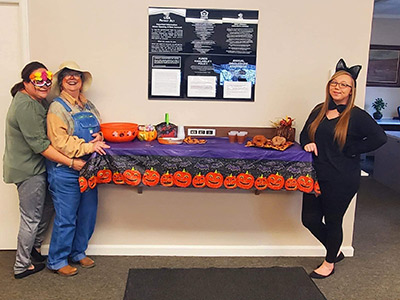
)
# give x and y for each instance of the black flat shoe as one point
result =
(36, 256)
(339, 258)
(319, 276)
(37, 268)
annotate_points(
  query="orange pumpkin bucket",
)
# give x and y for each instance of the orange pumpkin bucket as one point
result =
(119, 132)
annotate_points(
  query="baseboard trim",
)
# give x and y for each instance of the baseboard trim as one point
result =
(204, 250)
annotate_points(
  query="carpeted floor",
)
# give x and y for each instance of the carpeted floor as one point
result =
(370, 275)
(274, 283)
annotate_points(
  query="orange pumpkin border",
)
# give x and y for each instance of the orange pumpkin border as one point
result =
(214, 180)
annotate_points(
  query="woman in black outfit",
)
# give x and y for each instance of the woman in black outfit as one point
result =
(336, 132)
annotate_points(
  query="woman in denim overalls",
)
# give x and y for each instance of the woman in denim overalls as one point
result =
(73, 127)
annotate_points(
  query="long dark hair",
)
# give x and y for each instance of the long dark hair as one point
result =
(25, 73)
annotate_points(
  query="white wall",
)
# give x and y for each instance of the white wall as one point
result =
(298, 45)
(13, 52)
(385, 31)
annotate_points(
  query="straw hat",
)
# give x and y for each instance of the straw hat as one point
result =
(87, 77)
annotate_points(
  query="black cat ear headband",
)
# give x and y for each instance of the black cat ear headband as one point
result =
(353, 71)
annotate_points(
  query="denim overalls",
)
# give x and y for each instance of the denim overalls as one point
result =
(75, 211)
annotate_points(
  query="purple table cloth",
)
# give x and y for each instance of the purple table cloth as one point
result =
(214, 148)
(217, 156)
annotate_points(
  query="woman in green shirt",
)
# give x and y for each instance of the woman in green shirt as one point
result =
(26, 148)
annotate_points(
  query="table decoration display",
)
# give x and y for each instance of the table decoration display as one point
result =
(168, 133)
(118, 132)
(277, 143)
(283, 139)
(284, 128)
(216, 164)
(147, 133)
(189, 140)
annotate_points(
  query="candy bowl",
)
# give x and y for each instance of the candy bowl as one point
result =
(118, 132)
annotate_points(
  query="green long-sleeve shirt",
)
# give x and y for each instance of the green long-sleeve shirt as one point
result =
(25, 138)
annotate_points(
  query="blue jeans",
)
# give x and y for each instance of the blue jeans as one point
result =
(75, 216)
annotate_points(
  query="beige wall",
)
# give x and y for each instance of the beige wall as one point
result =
(298, 45)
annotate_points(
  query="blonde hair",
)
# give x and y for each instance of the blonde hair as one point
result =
(343, 123)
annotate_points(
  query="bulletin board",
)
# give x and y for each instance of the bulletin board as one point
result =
(202, 54)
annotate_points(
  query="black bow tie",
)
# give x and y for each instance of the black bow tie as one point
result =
(340, 108)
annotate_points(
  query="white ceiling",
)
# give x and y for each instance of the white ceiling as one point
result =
(387, 8)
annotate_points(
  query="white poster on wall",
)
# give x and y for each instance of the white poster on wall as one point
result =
(237, 89)
(201, 86)
(166, 82)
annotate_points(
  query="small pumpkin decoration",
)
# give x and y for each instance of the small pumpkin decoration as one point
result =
(276, 181)
(317, 189)
(167, 179)
(104, 176)
(291, 184)
(182, 178)
(151, 177)
(132, 177)
(118, 178)
(214, 180)
(83, 184)
(147, 136)
(305, 183)
(230, 182)
(261, 183)
(199, 181)
(92, 182)
(245, 180)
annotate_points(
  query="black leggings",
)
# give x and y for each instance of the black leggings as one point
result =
(331, 205)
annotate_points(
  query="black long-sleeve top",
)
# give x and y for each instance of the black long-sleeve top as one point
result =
(363, 135)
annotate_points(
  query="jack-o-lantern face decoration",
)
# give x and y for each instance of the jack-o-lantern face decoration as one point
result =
(147, 135)
(305, 183)
(199, 181)
(118, 178)
(291, 184)
(132, 177)
(276, 181)
(230, 182)
(261, 183)
(214, 180)
(317, 189)
(151, 177)
(151, 136)
(167, 179)
(245, 180)
(83, 184)
(92, 182)
(182, 178)
(104, 176)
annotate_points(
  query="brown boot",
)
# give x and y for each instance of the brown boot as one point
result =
(87, 262)
(67, 271)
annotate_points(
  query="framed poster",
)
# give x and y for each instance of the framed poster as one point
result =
(384, 66)
(202, 54)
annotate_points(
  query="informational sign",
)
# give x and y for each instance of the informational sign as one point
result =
(202, 54)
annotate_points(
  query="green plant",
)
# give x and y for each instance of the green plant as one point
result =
(379, 104)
